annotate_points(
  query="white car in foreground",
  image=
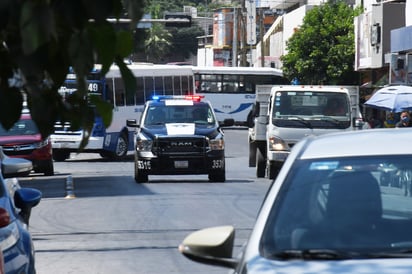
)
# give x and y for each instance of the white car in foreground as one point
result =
(328, 211)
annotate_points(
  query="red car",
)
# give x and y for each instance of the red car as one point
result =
(24, 140)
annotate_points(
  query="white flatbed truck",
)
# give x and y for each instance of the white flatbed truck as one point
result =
(283, 115)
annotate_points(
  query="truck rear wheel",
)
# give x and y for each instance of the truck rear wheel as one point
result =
(252, 154)
(260, 164)
(60, 156)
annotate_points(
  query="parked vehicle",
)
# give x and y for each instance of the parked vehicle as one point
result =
(14, 167)
(326, 212)
(179, 135)
(24, 140)
(283, 115)
(16, 242)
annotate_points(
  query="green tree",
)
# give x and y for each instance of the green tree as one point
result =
(322, 50)
(158, 43)
(40, 40)
(185, 41)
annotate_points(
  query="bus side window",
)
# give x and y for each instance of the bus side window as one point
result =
(177, 83)
(149, 88)
(119, 92)
(109, 92)
(168, 85)
(190, 85)
(185, 84)
(140, 95)
(159, 87)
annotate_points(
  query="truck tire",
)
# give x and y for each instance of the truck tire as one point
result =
(273, 170)
(49, 168)
(217, 176)
(139, 176)
(260, 164)
(252, 154)
(60, 156)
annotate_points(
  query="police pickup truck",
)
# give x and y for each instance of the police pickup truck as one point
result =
(179, 135)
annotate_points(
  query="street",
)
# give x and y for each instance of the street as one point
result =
(107, 223)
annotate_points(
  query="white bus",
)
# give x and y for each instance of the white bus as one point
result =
(117, 140)
(231, 90)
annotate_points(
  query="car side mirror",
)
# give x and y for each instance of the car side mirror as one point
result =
(213, 246)
(26, 199)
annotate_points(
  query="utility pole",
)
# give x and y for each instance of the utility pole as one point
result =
(251, 25)
(235, 38)
(262, 32)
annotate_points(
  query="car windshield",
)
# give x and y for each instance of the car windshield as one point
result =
(360, 204)
(21, 127)
(199, 114)
(311, 109)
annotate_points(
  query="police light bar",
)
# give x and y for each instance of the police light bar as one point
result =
(195, 98)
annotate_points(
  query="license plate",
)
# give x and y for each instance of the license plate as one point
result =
(181, 164)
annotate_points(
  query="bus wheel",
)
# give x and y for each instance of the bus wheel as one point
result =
(139, 176)
(121, 148)
(60, 156)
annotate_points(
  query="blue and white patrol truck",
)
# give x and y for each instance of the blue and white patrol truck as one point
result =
(179, 135)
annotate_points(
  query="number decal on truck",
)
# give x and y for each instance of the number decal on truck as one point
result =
(218, 164)
(144, 165)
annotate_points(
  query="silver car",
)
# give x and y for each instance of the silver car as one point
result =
(328, 211)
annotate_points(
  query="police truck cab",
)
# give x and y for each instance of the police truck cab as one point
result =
(179, 135)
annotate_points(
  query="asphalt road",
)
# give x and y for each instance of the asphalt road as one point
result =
(107, 223)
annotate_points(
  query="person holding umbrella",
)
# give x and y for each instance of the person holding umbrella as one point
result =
(405, 120)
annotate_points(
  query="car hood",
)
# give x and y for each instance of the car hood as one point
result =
(364, 266)
(174, 129)
(23, 139)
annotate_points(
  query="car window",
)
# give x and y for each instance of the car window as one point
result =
(345, 204)
(21, 127)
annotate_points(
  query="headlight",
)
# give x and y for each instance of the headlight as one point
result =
(9, 235)
(217, 144)
(42, 143)
(277, 144)
(144, 145)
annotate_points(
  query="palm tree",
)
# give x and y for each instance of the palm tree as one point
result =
(158, 43)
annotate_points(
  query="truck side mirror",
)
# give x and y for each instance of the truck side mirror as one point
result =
(357, 123)
(263, 120)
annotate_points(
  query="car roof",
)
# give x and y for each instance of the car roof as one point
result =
(373, 142)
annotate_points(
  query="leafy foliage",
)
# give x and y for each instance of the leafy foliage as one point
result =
(322, 50)
(158, 43)
(40, 40)
(185, 40)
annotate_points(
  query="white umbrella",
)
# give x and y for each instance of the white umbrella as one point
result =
(391, 98)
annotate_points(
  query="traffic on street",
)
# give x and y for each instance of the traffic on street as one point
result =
(107, 223)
